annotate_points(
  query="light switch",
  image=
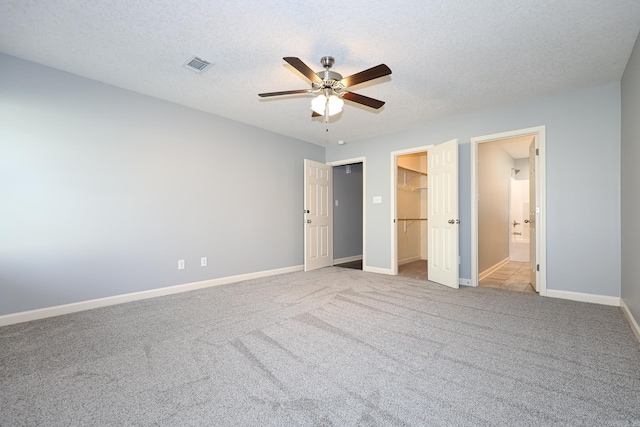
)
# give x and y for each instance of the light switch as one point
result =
(336, 203)
(377, 199)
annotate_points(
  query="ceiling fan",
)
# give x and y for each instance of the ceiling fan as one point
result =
(331, 87)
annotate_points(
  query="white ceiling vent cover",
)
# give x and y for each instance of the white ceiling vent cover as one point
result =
(197, 64)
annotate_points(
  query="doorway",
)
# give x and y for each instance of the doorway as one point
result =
(508, 206)
(318, 212)
(414, 179)
(442, 220)
(503, 214)
(411, 205)
(348, 215)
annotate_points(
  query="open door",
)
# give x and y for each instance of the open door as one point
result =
(443, 214)
(318, 215)
(532, 215)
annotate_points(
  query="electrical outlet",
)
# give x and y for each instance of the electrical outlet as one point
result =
(203, 261)
(180, 264)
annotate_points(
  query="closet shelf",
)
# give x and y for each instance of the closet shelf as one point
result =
(412, 170)
(415, 173)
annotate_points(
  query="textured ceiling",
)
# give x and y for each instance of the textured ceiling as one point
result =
(448, 57)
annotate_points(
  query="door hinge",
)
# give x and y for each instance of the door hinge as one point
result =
(537, 267)
(537, 151)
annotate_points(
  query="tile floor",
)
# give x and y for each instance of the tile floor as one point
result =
(513, 276)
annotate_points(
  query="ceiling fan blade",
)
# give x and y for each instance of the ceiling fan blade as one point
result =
(303, 68)
(314, 114)
(366, 75)
(364, 100)
(286, 92)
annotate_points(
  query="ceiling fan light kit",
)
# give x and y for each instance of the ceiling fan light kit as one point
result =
(331, 87)
(330, 105)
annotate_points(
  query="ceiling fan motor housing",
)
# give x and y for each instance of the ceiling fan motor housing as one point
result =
(330, 78)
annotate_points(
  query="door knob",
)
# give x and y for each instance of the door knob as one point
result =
(308, 221)
(526, 221)
(451, 221)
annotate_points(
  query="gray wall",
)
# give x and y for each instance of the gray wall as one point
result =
(103, 190)
(583, 215)
(630, 183)
(494, 194)
(347, 216)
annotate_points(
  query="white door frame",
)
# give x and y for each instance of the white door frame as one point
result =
(362, 160)
(394, 201)
(541, 231)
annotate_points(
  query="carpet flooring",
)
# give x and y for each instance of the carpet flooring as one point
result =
(333, 347)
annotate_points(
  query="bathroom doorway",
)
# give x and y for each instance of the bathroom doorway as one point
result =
(508, 200)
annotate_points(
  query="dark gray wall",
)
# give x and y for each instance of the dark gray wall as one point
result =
(583, 214)
(630, 183)
(347, 216)
(103, 190)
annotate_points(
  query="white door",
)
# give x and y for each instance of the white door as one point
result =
(318, 215)
(532, 215)
(443, 214)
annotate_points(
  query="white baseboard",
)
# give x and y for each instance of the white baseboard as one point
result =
(347, 259)
(410, 259)
(632, 321)
(579, 296)
(493, 268)
(26, 316)
(378, 270)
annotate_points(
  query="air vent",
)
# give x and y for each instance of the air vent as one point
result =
(198, 65)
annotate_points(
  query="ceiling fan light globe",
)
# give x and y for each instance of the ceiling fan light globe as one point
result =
(335, 104)
(318, 104)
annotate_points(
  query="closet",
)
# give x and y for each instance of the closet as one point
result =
(412, 208)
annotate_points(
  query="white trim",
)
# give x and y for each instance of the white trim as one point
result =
(632, 321)
(464, 282)
(362, 160)
(410, 259)
(541, 232)
(493, 268)
(347, 259)
(377, 270)
(42, 313)
(579, 296)
(394, 201)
